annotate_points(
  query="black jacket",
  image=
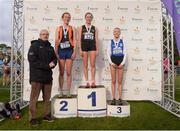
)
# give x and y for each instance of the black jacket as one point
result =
(40, 54)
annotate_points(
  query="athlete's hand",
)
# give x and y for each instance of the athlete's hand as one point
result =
(58, 57)
(56, 52)
(81, 53)
(73, 55)
(97, 52)
(114, 65)
(120, 67)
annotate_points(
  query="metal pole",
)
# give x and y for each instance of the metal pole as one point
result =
(172, 49)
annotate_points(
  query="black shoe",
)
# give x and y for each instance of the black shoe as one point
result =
(120, 102)
(34, 122)
(113, 102)
(48, 118)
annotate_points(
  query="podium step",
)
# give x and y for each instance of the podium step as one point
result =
(65, 97)
(123, 102)
(97, 86)
(63, 107)
(89, 102)
(92, 101)
(116, 110)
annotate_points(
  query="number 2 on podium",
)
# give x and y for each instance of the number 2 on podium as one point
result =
(93, 96)
(64, 106)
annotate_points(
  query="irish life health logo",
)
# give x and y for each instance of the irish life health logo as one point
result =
(32, 20)
(136, 30)
(107, 10)
(122, 20)
(107, 30)
(46, 9)
(77, 9)
(137, 9)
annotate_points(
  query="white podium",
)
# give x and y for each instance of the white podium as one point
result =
(64, 107)
(118, 110)
(92, 101)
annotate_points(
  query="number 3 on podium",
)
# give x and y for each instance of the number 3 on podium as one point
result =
(119, 110)
(93, 97)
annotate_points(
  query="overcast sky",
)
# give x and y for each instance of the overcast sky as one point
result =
(5, 21)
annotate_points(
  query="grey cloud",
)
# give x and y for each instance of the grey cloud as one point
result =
(6, 21)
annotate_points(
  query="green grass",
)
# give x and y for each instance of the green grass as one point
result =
(4, 95)
(144, 115)
(177, 88)
(4, 92)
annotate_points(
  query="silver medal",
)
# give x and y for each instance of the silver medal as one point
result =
(65, 30)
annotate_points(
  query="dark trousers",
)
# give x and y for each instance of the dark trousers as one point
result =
(36, 87)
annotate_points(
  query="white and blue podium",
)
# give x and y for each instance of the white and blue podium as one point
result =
(64, 107)
(92, 101)
(118, 110)
(89, 102)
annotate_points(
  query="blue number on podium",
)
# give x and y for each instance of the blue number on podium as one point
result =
(93, 96)
(64, 106)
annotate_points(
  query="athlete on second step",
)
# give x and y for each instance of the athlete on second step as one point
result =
(65, 48)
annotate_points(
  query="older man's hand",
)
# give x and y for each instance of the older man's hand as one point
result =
(51, 64)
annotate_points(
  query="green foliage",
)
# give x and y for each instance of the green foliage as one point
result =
(3, 46)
